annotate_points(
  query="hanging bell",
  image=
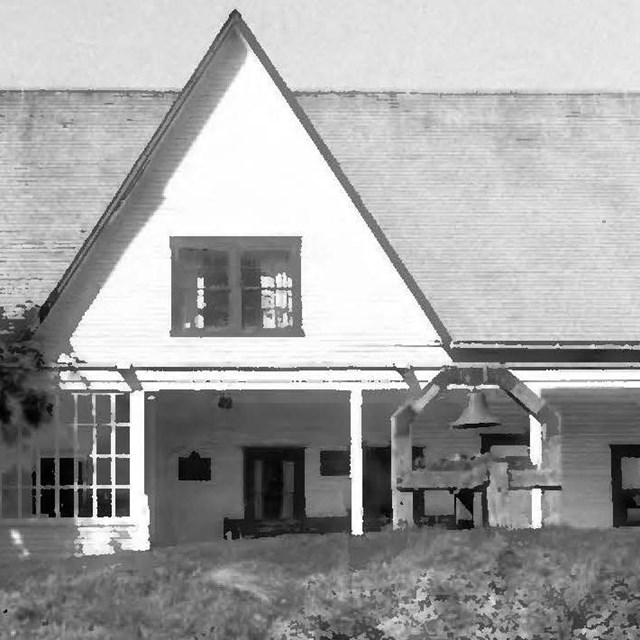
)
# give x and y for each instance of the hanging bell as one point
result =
(476, 414)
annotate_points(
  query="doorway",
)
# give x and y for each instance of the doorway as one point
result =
(376, 489)
(625, 484)
(274, 485)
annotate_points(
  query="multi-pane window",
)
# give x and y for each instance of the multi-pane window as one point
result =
(236, 286)
(79, 467)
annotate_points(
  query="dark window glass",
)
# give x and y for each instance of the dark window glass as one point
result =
(122, 503)
(104, 503)
(202, 277)
(251, 311)
(103, 475)
(122, 470)
(66, 503)
(267, 290)
(85, 503)
(122, 440)
(334, 463)
(103, 442)
(216, 311)
(103, 409)
(48, 502)
(47, 471)
(85, 471)
(66, 470)
(122, 407)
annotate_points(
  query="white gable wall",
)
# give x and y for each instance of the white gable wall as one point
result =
(237, 161)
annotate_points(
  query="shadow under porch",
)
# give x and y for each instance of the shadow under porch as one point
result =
(263, 462)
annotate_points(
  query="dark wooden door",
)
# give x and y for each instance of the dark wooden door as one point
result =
(274, 484)
(376, 490)
(625, 485)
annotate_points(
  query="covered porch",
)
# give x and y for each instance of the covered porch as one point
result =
(316, 456)
(214, 454)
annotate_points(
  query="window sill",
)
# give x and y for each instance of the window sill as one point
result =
(293, 333)
(67, 522)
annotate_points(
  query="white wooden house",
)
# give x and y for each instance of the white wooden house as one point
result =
(251, 281)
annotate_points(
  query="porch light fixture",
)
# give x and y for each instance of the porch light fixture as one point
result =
(476, 414)
(225, 402)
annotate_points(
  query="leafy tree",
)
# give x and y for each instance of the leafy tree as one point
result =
(25, 381)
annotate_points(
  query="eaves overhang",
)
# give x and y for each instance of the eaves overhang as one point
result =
(547, 353)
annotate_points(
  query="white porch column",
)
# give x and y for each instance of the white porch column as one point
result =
(356, 468)
(536, 436)
(138, 500)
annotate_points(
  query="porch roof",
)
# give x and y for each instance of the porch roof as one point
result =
(516, 214)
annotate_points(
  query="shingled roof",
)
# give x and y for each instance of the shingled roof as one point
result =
(517, 214)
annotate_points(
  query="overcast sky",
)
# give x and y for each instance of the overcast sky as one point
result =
(422, 45)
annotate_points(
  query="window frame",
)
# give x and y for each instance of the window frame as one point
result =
(26, 512)
(235, 246)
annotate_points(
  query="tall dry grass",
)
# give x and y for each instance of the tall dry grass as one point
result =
(549, 584)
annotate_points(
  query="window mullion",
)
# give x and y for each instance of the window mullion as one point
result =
(113, 455)
(56, 469)
(76, 469)
(94, 459)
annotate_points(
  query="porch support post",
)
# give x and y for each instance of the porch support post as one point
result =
(151, 464)
(356, 468)
(536, 436)
(401, 465)
(139, 508)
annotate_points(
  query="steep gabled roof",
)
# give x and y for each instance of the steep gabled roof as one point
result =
(516, 214)
(63, 156)
(236, 23)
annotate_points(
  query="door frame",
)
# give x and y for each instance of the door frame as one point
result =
(619, 451)
(293, 454)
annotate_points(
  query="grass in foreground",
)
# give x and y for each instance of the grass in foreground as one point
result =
(549, 584)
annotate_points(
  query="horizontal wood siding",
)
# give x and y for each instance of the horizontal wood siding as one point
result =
(591, 420)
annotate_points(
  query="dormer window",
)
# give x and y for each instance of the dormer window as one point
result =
(235, 286)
